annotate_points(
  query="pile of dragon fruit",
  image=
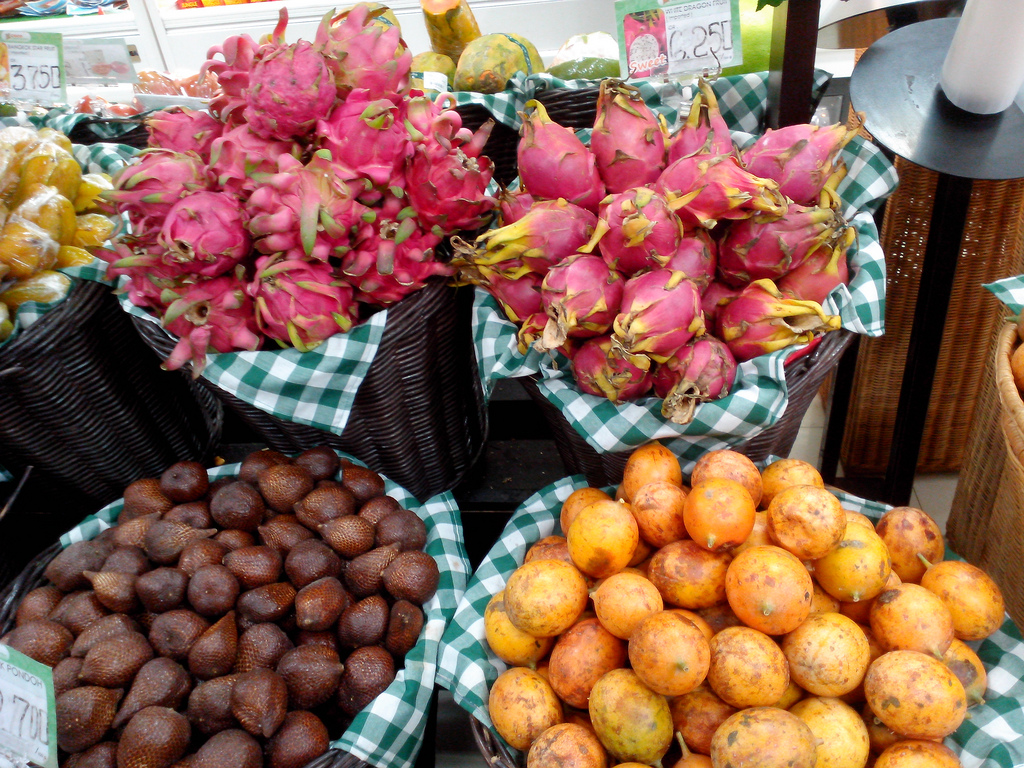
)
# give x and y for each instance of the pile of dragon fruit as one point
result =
(657, 262)
(316, 189)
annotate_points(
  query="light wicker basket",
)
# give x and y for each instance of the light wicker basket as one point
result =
(992, 248)
(985, 521)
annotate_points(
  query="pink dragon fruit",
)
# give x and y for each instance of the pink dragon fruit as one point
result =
(821, 272)
(716, 296)
(395, 261)
(301, 303)
(705, 131)
(180, 129)
(446, 182)
(531, 331)
(550, 231)
(600, 370)
(239, 154)
(637, 231)
(702, 370)
(146, 189)
(581, 296)
(513, 205)
(800, 158)
(214, 314)
(148, 276)
(696, 257)
(306, 211)
(554, 163)
(366, 136)
(660, 312)
(762, 319)
(628, 140)
(703, 190)
(205, 234)
(518, 298)
(753, 250)
(239, 52)
(290, 88)
(363, 54)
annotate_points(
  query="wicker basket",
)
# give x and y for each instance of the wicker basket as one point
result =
(89, 409)
(992, 248)
(985, 522)
(136, 135)
(804, 377)
(502, 145)
(419, 416)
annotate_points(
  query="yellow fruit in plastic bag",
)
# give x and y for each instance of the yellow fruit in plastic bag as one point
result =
(73, 256)
(46, 287)
(56, 137)
(6, 326)
(49, 164)
(93, 229)
(45, 207)
(26, 248)
(17, 137)
(92, 185)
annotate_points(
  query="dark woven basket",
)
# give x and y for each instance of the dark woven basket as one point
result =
(137, 136)
(89, 409)
(419, 416)
(502, 145)
(803, 377)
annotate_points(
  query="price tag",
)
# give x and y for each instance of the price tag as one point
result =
(658, 38)
(100, 61)
(32, 67)
(28, 717)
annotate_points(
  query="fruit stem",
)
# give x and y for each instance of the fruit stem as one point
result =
(925, 560)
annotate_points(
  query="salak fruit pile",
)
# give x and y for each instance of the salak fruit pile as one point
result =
(658, 262)
(319, 185)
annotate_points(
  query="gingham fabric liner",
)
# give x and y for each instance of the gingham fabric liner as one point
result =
(1010, 291)
(62, 120)
(992, 736)
(389, 732)
(759, 396)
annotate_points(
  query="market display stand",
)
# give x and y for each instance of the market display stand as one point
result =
(895, 84)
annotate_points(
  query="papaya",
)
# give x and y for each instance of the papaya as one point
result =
(430, 61)
(451, 26)
(488, 62)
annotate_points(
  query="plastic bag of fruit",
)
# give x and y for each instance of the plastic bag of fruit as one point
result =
(504, 637)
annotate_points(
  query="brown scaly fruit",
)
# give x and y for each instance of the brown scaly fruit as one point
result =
(84, 715)
(404, 626)
(133, 533)
(109, 626)
(312, 674)
(349, 536)
(404, 528)
(321, 461)
(301, 738)
(165, 539)
(284, 485)
(213, 590)
(201, 552)
(318, 605)
(376, 509)
(368, 672)
(237, 505)
(254, 566)
(161, 682)
(37, 604)
(324, 503)
(143, 497)
(127, 560)
(209, 705)
(214, 653)
(412, 576)
(45, 641)
(232, 747)
(364, 623)
(282, 532)
(363, 576)
(259, 701)
(174, 632)
(194, 513)
(262, 645)
(257, 461)
(269, 603)
(184, 481)
(326, 639)
(65, 675)
(236, 539)
(311, 560)
(67, 570)
(113, 663)
(363, 483)
(102, 755)
(78, 610)
(156, 737)
(162, 589)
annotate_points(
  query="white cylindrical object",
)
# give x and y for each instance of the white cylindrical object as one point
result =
(984, 68)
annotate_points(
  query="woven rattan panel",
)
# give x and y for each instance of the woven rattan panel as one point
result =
(992, 248)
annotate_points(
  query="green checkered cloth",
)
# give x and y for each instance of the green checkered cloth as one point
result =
(1010, 291)
(759, 396)
(991, 737)
(64, 120)
(389, 732)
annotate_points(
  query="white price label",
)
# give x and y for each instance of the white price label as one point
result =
(658, 38)
(34, 67)
(28, 722)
